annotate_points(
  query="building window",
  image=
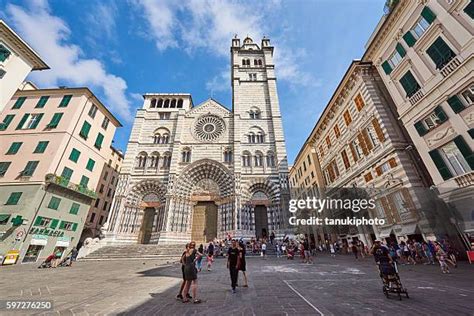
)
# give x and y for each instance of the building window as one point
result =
(68, 226)
(105, 123)
(93, 111)
(166, 161)
(164, 115)
(43, 221)
(328, 141)
(359, 102)
(74, 208)
(337, 132)
(104, 207)
(4, 165)
(454, 159)
(54, 203)
(469, 9)
(180, 104)
(91, 220)
(74, 156)
(98, 141)
(368, 177)
(42, 102)
(254, 114)
(30, 121)
(14, 198)
(106, 174)
(253, 77)
(14, 147)
(271, 159)
(65, 101)
(67, 174)
(55, 120)
(97, 202)
(246, 159)
(394, 59)
(141, 161)
(29, 168)
(186, 155)
(90, 164)
(4, 53)
(84, 133)
(6, 121)
(409, 84)
(109, 192)
(19, 102)
(258, 159)
(440, 53)
(228, 156)
(84, 181)
(101, 189)
(420, 27)
(468, 95)
(154, 161)
(345, 159)
(434, 119)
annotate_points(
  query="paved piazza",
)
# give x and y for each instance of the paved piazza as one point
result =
(340, 286)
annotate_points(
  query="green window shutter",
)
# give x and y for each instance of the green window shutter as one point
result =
(440, 114)
(30, 168)
(409, 39)
(86, 127)
(440, 164)
(74, 226)
(36, 122)
(465, 150)
(471, 133)
(54, 203)
(469, 9)
(409, 84)
(98, 141)
(19, 102)
(38, 220)
(4, 165)
(54, 223)
(67, 173)
(42, 102)
(65, 101)
(14, 198)
(84, 181)
(6, 122)
(420, 128)
(90, 164)
(428, 15)
(55, 120)
(400, 50)
(62, 224)
(386, 67)
(74, 208)
(41, 147)
(14, 147)
(23, 121)
(455, 104)
(74, 156)
(440, 53)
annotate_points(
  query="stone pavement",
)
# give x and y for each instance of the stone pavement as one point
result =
(331, 286)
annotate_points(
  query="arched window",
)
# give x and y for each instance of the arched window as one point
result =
(141, 160)
(180, 103)
(153, 103)
(165, 139)
(157, 138)
(154, 160)
(160, 103)
(260, 63)
(270, 159)
(254, 113)
(228, 155)
(173, 103)
(244, 62)
(166, 160)
(251, 138)
(258, 159)
(186, 155)
(161, 136)
(167, 103)
(246, 159)
(255, 62)
(260, 138)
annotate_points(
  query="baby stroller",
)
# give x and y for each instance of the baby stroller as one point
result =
(391, 280)
(65, 262)
(47, 262)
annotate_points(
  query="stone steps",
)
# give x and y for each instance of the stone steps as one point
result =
(136, 251)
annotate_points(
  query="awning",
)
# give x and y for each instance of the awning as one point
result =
(409, 229)
(384, 233)
(4, 217)
(38, 242)
(61, 243)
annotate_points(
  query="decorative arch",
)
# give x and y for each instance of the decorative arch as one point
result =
(266, 186)
(145, 188)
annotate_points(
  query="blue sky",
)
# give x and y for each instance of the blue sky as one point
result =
(122, 49)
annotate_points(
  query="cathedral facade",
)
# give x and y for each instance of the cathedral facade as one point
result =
(199, 172)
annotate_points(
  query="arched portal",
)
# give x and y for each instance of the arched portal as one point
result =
(203, 201)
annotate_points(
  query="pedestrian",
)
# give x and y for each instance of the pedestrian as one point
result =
(199, 259)
(232, 260)
(190, 272)
(333, 251)
(355, 250)
(210, 255)
(74, 253)
(272, 237)
(278, 250)
(241, 263)
(307, 253)
(183, 283)
(441, 256)
(57, 258)
(264, 250)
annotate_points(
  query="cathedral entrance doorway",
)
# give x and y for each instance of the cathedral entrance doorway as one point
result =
(147, 226)
(261, 221)
(204, 225)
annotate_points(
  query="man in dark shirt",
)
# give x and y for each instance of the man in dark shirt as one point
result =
(383, 259)
(232, 261)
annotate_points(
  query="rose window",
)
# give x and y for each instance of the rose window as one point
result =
(209, 127)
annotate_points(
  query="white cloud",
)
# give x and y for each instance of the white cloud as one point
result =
(210, 25)
(48, 34)
(220, 82)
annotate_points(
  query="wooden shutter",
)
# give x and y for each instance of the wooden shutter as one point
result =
(23, 121)
(395, 212)
(440, 164)
(359, 102)
(378, 130)
(420, 128)
(386, 209)
(367, 140)
(455, 104)
(465, 150)
(38, 221)
(354, 154)
(362, 144)
(386, 67)
(440, 53)
(345, 159)
(378, 170)
(54, 223)
(400, 50)
(409, 39)
(441, 114)
(36, 122)
(392, 162)
(347, 117)
(428, 15)
(469, 9)
(409, 201)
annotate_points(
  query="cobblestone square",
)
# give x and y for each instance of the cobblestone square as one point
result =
(277, 286)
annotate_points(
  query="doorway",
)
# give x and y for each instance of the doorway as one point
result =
(147, 226)
(204, 227)
(261, 221)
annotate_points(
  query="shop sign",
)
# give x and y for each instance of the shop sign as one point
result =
(46, 232)
(11, 257)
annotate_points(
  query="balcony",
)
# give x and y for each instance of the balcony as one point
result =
(465, 180)
(65, 183)
(450, 66)
(416, 97)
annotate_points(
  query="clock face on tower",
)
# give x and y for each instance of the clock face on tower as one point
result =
(208, 128)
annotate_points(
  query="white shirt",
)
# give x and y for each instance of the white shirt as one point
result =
(264, 247)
